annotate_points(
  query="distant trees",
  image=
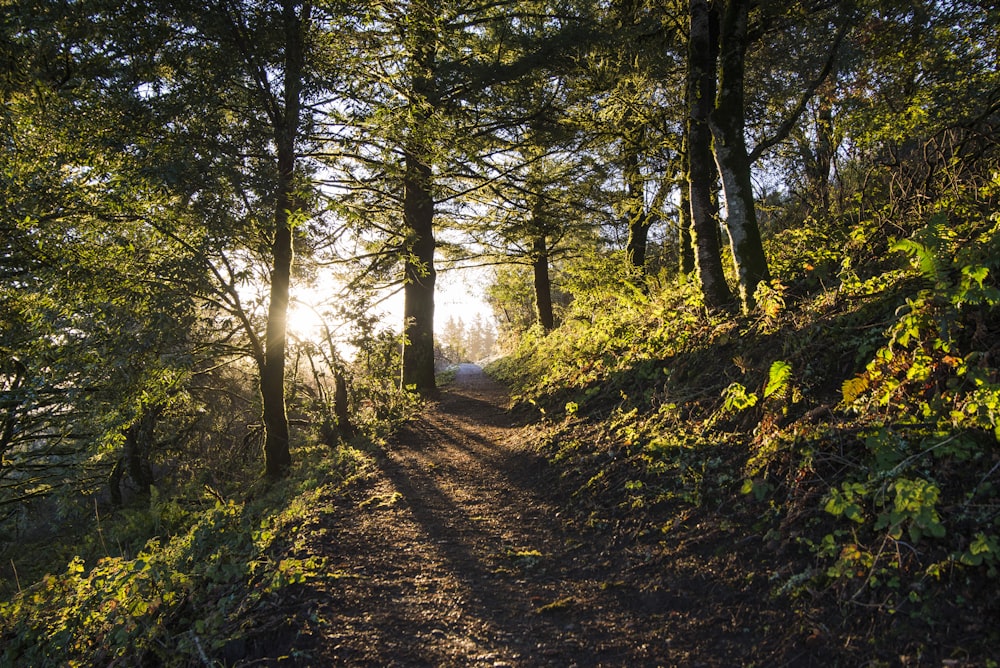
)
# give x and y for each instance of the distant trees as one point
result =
(467, 342)
(540, 209)
(404, 139)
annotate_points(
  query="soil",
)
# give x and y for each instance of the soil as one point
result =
(462, 549)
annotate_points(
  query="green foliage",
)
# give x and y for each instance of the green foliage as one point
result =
(779, 379)
(810, 254)
(381, 405)
(611, 325)
(856, 412)
(770, 301)
(861, 402)
(187, 595)
(927, 405)
(735, 398)
(845, 501)
(915, 508)
(984, 549)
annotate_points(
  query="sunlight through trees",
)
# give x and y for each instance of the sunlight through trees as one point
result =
(241, 238)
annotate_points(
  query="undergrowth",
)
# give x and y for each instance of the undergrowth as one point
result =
(850, 425)
(209, 587)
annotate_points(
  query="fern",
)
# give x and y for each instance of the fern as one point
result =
(853, 388)
(928, 250)
(779, 379)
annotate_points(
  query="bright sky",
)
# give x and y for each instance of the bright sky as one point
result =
(460, 295)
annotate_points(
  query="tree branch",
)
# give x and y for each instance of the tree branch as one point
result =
(783, 130)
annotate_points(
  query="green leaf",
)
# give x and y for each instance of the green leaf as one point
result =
(778, 378)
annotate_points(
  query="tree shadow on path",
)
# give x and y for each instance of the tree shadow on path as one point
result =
(456, 554)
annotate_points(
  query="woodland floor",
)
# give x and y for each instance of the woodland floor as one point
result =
(461, 550)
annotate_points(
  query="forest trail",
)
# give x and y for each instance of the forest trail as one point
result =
(456, 553)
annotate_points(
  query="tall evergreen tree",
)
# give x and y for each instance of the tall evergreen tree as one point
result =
(419, 126)
(420, 42)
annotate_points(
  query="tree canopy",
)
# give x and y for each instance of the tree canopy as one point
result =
(643, 182)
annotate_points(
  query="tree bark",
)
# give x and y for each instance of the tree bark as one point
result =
(684, 238)
(637, 243)
(727, 124)
(345, 428)
(638, 217)
(543, 285)
(115, 482)
(702, 58)
(10, 402)
(139, 439)
(140, 436)
(419, 277)
(277, 457)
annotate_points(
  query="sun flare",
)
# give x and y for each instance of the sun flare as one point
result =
(304, 322)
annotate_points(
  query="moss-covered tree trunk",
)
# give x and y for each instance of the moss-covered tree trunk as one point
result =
(727, 124)
(637, 216)
(637, 242)
(702, 56)
(685, 249)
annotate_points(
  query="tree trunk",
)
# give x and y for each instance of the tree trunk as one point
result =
(140, 436)
(637, 216)
(543, 285)
(419, 277)
(345, 429)
(727, 125)
(115, 482)
(139, 439)
(10, 402)
(684, 238)
(818, 159)
(277, 457)
(638, 235)
(701, 170)
(419, 274)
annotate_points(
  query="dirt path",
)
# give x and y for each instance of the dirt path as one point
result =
(456, 554)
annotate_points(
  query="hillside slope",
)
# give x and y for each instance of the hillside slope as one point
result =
(843, 437)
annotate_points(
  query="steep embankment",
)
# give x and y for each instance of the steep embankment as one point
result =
(841, 443)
